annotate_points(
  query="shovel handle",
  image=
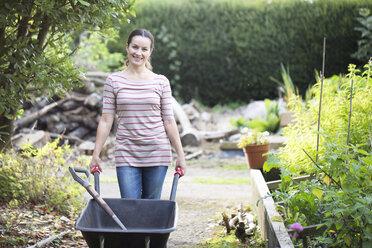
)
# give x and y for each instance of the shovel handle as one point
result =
(74, 170)
(93, 193)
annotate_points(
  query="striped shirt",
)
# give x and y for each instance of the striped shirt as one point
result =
(141, 107)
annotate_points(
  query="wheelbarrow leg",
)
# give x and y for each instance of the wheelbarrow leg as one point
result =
(147, 241)
(101, 241)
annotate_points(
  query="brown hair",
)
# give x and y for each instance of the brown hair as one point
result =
(144, 33)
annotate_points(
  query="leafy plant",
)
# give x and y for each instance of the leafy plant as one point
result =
(302, 134)
(286, 86)
(339, 194)
(347, 197)
(41, 176)
(270, 123)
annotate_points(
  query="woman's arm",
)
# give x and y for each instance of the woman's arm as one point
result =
(174, 137)
(103, 131)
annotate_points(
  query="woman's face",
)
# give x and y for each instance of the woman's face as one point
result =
(139, 50)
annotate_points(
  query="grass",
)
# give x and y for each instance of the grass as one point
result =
(234, 167)
(221, 180)
(221, 239)
(112, 179)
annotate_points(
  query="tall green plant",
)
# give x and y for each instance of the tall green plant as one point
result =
(334, 119)
(286, 86)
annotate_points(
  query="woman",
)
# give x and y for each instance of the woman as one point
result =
(146, 127)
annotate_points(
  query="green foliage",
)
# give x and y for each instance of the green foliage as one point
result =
(347, 199)
(364, 51)
(286, 86)
(270, 123)
(339, 194)
(230, 49)
(94, 54)
(338, 197)
(166, 39)
(41, 176)
(221, 239)
(34, 37)
(302, 134)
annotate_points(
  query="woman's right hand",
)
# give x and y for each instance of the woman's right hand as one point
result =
(95, 163)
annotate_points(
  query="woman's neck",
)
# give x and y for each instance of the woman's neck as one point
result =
(138, 73)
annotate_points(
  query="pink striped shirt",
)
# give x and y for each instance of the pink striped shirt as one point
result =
(141, 108)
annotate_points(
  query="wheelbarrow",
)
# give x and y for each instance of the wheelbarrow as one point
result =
(147, 223)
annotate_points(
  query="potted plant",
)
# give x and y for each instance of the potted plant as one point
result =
(254, 145)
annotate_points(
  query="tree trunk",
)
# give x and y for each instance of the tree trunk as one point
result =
(6, 131)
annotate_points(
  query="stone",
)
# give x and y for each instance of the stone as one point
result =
(255, 109)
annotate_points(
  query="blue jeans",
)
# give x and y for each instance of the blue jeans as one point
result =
(141, 182)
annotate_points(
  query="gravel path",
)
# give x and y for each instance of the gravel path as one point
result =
(199, 203)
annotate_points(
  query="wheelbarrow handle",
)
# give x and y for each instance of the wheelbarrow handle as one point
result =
(177, 175)
(74, 170)
(96, 174)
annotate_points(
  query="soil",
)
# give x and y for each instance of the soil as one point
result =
(200, 203)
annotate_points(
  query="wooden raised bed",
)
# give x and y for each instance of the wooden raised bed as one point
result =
(270, 221)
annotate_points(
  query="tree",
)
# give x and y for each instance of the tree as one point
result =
(35, 55)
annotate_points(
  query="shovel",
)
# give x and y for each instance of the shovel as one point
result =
(93, 193)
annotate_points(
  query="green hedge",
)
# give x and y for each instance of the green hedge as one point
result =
(229, 49)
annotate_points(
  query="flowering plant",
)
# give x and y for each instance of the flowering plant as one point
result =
(250, 137)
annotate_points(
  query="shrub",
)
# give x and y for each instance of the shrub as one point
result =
(227, 51)
(41, 176)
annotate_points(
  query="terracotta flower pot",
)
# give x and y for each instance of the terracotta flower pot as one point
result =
(254, 153)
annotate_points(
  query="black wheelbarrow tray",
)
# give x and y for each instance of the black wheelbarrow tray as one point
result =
(148, 222)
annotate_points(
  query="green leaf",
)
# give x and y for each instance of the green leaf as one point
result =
(363, 152)
(339, 225)
(318, 193)
(84, 3)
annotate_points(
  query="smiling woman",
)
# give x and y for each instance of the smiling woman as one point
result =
(142, 100)
(139, 46)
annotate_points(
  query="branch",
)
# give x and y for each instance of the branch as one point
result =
(322, 169)
(22, 28)
(45, 25)
(48, 240)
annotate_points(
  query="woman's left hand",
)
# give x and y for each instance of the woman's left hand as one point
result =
(181, 165)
